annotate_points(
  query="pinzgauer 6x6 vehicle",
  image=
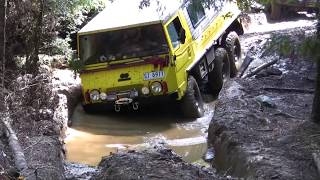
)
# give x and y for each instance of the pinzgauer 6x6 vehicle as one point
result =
(168, 49)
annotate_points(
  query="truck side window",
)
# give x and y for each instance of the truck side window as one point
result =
(174, 29)
(196, 13)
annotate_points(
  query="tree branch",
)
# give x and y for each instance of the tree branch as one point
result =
(260, 68)
(19, 158)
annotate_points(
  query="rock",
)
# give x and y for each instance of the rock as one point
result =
(232, 89)
(79, 171)
(13, 172)
(265, 101)
(210, 154)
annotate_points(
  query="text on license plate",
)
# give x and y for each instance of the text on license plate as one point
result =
(153, 75)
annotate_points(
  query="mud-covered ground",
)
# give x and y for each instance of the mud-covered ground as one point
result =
(152, 164)
(262, 128)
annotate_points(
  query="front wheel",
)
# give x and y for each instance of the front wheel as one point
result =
(192, 103)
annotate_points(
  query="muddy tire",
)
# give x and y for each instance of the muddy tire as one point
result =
(275, 13)
(221, 71)
(192, 103)
(233, 47)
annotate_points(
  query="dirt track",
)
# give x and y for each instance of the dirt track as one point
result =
(261, 128)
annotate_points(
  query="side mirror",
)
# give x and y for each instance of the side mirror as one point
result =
(182, 36)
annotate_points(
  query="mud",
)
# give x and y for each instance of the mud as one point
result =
(261, 128)
(152, 164)
(67, 85)
(93, 136)
(259, 142)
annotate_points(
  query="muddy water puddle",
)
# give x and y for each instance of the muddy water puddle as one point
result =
(94, 136)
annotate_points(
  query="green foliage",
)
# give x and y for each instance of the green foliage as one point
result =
(61, 46)
(285, 46)
(245, 4)
(264, 2)
(73, 6)
(288, 46)
(311, 48)
(76, 64)
(281, 44)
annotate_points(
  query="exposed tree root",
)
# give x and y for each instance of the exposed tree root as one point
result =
(260, 68)
(246, 62)
(19, 158)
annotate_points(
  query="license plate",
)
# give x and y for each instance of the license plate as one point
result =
(154, 75)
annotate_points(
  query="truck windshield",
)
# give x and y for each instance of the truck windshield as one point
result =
(123, 44)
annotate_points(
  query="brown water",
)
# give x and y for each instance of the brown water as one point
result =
(94, 136)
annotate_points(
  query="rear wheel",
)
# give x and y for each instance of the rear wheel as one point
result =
(192, 103)
(233, 47)
(221, 71)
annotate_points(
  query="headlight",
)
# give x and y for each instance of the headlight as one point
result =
(145, 91)
(94, 95)
(156, 87)
(103, 96)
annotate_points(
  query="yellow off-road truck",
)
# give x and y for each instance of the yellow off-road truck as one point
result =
(168, 49)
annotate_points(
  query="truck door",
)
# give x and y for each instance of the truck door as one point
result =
(181, 48)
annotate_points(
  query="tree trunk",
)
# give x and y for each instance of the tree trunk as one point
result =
(32, 65)
(275, 13)
(3, 10)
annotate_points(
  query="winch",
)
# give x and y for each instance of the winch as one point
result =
(125, 101)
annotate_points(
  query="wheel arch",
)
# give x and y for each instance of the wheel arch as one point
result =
(236, 26)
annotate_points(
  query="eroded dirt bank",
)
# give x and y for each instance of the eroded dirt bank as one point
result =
(261, 128)
(38, 111)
